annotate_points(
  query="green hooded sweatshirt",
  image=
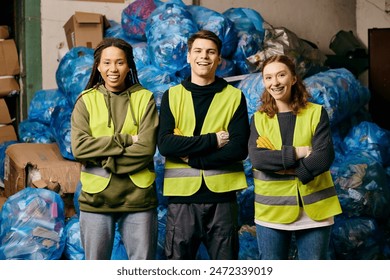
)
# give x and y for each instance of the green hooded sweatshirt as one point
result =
(116, 153)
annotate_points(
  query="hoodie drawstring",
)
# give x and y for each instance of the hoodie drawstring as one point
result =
(109, 110)
(132, 111)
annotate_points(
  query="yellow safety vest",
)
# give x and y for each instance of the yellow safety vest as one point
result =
(277, 196)
(179, 178)
(95, 179)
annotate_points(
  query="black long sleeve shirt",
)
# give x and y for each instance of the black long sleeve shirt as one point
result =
(306, 169)
(202, 150)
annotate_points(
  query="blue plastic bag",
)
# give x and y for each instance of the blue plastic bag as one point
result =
(60, 126)
(338, 90)
(3, 148)
(73, 249)
(74, 71)
(221, 25)
(356, 238)
(361, 185)
(35, 132)
(252, 86)
(32, 226)
(369, 137)
(134, 18)
(43, 103)
(167, 31)
(246, 19)
(157, 81)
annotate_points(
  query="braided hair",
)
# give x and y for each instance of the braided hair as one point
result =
(96, 79)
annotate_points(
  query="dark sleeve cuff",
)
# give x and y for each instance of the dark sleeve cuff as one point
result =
(195, 162)
(288, 157)
(302, 173)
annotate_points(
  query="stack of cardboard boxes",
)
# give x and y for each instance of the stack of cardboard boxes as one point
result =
(9, 70)
(7, 133)
(26, 164)
(7, 84)
(7, 129)
(9, 64)
(36, 164)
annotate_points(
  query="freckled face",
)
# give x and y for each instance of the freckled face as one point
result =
(113, 68)
(278, 81)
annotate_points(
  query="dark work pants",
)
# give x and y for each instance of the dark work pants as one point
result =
(214, 224)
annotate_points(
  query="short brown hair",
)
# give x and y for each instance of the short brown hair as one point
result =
(205, 34)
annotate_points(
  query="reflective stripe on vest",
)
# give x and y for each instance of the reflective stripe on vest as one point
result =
(291, 200)
(95, 179)
(179, 178)
(276, 195)
(193, 172)
(182, 172)
(276, 200)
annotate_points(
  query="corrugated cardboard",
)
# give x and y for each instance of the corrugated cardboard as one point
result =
(85, 29)
(9, 61)
(8, 86)
(4, 32)
(46, 164)
(2, 201)
(7, 133)
(5, 117)
(7, 130)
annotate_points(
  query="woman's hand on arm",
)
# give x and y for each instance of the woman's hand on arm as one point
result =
(302, 151)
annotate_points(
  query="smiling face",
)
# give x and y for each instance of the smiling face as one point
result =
(204, 59)
(278, 81)
(113, 68)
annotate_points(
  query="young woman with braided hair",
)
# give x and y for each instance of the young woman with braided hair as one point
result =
(114, 133)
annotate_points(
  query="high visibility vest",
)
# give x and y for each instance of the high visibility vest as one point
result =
(179, 178)
(277, 196)
(95, 179)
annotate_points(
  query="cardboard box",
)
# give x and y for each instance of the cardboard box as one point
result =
(4, 32)
(9, 60)
(29, 163)
(85, 29)
(2, 201)
(8, 86)
(7, 133)
(7, 130)
(5, 117)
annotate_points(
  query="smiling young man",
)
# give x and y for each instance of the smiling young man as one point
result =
(204, 131)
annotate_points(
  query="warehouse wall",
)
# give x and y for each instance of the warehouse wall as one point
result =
(324, 17)
(314, 20)
(370, 14)
(54, 14)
